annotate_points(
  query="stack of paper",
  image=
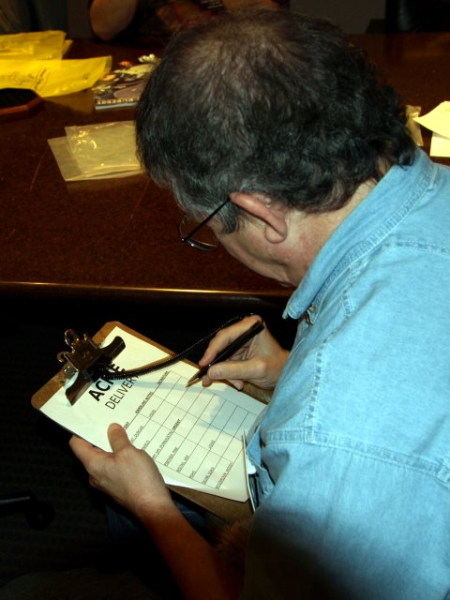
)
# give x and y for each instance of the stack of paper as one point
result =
(34, 45)
(438, 121)
(35, 61)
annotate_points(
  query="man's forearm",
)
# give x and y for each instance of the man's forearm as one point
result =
(131, 477)
(110, 17)
(196, 566)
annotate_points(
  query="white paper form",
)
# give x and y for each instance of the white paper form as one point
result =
(438, 121)
(194, 434)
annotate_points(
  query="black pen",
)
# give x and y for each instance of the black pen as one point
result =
(229, 350)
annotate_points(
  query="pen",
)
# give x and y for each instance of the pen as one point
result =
(229, 350)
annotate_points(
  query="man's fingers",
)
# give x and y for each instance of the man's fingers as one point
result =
(236, 369)
(83, 450)
(225, 337)
(118, 437)
(86, 452)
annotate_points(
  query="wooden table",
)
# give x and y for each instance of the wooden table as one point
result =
(118, 239)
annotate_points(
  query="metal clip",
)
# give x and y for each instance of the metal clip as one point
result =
(85, 359)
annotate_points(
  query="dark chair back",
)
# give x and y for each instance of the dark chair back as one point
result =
(417, 15)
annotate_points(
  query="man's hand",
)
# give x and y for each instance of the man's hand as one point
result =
(127, 474)
(259, 362)
(131, 477)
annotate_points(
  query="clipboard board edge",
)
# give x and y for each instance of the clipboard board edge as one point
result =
(224, 508)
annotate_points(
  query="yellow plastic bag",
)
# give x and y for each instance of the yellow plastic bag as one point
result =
(53, 77)
(40, 45)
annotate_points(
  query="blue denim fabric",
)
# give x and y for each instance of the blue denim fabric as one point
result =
(353, 453)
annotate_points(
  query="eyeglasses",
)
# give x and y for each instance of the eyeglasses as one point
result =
(198, 236)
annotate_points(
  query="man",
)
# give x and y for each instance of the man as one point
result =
(17, 16)
(145, 21)
(278, 127)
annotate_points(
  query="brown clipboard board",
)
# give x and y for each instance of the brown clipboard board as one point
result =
(228, 510)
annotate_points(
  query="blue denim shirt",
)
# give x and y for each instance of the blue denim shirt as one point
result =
(353, 452)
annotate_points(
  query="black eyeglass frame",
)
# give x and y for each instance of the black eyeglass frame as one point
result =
(187, 239)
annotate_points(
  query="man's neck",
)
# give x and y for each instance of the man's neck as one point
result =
(313, 230)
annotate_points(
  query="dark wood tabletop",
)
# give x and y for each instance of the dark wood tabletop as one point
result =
(118, 238)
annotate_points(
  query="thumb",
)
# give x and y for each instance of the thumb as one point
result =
(118, 437)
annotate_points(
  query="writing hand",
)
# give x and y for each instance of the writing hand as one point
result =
(259, 362)
(127, 474)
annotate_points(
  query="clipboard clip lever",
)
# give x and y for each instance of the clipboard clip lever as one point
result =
(87, 360)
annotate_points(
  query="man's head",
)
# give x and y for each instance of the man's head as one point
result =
(267, 102)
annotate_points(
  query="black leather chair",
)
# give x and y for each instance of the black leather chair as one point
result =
(417, 15)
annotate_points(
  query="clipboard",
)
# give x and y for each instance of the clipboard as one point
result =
(224, 508)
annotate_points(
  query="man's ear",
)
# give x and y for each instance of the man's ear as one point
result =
(271, 213)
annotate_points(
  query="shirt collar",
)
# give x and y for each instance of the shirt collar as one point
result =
(365, 227)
